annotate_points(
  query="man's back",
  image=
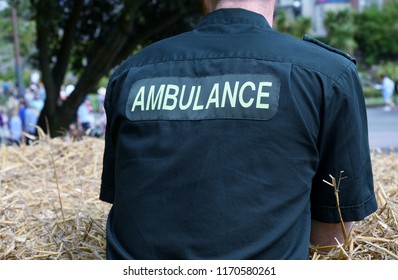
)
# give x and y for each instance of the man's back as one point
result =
(221, 139)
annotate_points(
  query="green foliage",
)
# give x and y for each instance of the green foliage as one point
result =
(140, 20)
(8, 76)
(341, 29)
(371, 92)
(26, 27)
(282, 23)
(389, 69)
(27, 37)
(5, 25)
(377, 33)
(297, 28)
(301, 27)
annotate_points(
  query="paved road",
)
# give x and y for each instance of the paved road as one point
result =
(383, 129)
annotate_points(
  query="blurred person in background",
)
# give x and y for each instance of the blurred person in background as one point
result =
(4, 131)
(30, 122)
(15, 127)
(387, 89)
(85, 117)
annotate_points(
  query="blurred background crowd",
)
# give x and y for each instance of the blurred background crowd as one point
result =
(19, 113)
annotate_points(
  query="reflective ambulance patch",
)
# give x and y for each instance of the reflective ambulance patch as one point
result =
(212, 97)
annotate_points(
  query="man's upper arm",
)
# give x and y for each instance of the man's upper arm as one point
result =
(326, 234)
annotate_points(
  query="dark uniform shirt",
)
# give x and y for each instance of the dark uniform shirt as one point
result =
(218, 141)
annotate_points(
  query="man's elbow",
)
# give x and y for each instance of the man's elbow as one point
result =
(329, 235)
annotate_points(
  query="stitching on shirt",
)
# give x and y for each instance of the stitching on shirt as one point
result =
(235, 57)
(347, 208)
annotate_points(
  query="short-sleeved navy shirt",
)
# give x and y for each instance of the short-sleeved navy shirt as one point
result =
(218, 141)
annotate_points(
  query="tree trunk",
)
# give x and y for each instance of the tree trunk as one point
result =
(107, 52)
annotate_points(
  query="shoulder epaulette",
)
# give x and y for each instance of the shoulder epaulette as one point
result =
(325, 46)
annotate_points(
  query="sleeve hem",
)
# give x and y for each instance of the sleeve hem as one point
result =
(350, 214)
(107, 194)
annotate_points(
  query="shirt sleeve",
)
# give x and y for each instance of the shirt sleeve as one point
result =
(344, 152)
(107, 191)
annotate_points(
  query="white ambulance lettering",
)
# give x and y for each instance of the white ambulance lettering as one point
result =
(139, 99)
(214, 96)
(242, 102)
(170, 97)
(155, 100)
(182, 106)
(196, 105)
(262, 94)
(231, 96)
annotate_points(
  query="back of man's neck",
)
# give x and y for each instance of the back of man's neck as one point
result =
(265, 8)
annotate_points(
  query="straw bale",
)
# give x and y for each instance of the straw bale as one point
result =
(49, 207)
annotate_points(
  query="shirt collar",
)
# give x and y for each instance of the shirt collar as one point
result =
(235, 16)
